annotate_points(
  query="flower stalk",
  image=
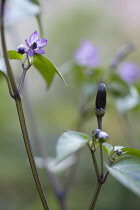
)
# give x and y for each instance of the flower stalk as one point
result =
(100, 105)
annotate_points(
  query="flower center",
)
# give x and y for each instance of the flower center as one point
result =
(34, 45)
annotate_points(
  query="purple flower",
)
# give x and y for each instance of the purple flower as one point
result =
(87, 55)
(35, 44)
(129, 72)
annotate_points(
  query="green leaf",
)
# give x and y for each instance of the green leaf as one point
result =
(13, 54)
(46, 68)
(128, 102)
(55, 167)
(127, 172)
(131, 151)
(70, 142)
(108, 148)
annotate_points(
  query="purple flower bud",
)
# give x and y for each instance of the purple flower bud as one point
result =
(96, 133)
(129, 72)
(118, 151)
(102, 136)
(100, 102)
(87, 55)
(21, 49)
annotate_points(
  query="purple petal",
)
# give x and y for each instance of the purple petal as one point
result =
(28, 42)
(41, 42)
(30, 52)
(87, 55)
(34, 37)
(129, 71)
(40, 51)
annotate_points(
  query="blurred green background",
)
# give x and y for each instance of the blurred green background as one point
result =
(107, 24)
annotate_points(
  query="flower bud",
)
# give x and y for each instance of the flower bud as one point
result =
(118, 151)
(21, 49)
(101, 97)
(100, 102)
(95, 133)
(102, 136)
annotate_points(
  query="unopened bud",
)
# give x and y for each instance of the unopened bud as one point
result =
(102, 136)
(21, 49)
(118, 151)
(100, 102)
(95, 133)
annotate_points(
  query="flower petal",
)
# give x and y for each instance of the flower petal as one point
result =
(40, 51)
(34, 37)
(41, 42)
(30, 52)
(28, 42)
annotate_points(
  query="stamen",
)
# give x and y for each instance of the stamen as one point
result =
(34, 45)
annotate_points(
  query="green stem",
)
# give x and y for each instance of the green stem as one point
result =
(22, 81)
(95, 165)
(95, 197)
(9, 70)
(9, 85)
(21, 114)
(30, 153)
(99, 120)
(101, 159)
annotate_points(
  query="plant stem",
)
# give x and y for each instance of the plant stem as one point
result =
(9, 85)
(22, 81)
(21, 114)
(95, 165)
(30, 153)
(101, 159)
(99, 120)
(94, 200)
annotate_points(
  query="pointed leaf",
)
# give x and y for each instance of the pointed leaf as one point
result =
(128, 102)
(70, 142)
(46, 68)
(108, 148)
(127, 172)
(13, 54)
(131, 151)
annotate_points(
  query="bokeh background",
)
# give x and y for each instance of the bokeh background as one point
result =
(108, 25)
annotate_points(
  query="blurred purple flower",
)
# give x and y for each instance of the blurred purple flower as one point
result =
(87, 55)
(129, 72)
(35, 44)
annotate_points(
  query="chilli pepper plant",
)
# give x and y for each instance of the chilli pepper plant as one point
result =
(121, 162)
